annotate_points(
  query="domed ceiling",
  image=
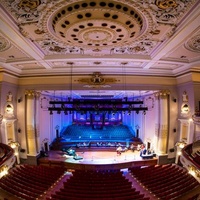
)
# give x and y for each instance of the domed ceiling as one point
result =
(147, 37)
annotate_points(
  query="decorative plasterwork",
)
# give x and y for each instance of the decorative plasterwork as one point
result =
(26, 11)
(98, 28)
(162, 94)
(4, 44)
(193, 44)
(141, 47)
(50, 45)
(97, 81)
(94, 26)
(185, 108)
(168, 11)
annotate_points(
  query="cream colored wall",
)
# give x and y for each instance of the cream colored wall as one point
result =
(176, 86)
(4, 90)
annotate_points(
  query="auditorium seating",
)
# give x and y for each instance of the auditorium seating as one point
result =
(105, 184)
(192, 153)
(165, 181)
(30, 182)
(75, 132)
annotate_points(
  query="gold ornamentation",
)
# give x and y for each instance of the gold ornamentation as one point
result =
(30, 4)
(97, 80)
(162, 94)
(166, 4)
(163, 131)
(56, 49)
(155, 32)
(39, 32)
(32, 93)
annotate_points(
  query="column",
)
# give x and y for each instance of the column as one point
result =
(37, 121)
(163, 128)
(1, 118)
(157, 122)
(31, 127)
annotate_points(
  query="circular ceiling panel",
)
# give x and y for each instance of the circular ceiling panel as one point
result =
(96, 24)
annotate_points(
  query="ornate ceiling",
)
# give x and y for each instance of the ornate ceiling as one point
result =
(148, 37)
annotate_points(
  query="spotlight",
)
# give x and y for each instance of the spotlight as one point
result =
(63, 106)
(65, 112)
(51, 112)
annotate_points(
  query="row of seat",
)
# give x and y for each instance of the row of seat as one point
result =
(28, 182)
(119, 132)
(165, 181)
(98, 185)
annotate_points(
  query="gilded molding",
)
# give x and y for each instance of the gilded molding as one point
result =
(32, 93)
(163, 94)
(97, 80)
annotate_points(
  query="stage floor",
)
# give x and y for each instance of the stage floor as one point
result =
(97, 158)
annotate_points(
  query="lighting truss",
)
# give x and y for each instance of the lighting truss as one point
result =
(96, 105)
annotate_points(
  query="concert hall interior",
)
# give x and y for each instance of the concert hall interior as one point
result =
(100, 99)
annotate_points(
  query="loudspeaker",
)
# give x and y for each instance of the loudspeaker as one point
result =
(174, 130)
(171, 150)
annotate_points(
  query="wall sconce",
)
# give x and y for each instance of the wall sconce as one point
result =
(174, 100)
(3, 170)
(185, 108)
(9, 109)
(13, 144)
(181, 144)
(19, 130)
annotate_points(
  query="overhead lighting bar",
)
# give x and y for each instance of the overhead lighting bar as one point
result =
(96, 105)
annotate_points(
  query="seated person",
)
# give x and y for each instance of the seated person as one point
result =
(125, 149)
(119, 144)
(119, 150)
(138, 147)
(132, 147)
(144, 151)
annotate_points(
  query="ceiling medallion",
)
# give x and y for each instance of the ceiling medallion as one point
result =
(96, 24)
(97, 80)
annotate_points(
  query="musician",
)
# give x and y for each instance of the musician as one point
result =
(119, 150)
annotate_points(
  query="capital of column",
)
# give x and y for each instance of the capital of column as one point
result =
(162, 94)
(32, 93)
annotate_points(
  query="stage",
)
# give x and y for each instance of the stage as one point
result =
(101, 158)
